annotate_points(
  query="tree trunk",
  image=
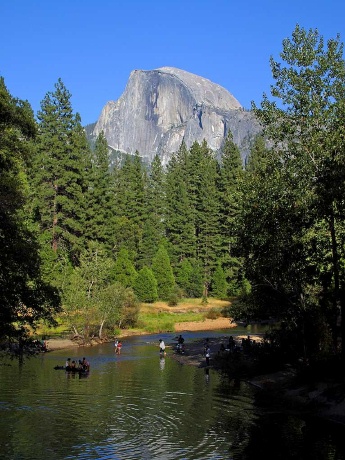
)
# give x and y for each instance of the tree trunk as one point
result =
(339, 297)
(101, 329)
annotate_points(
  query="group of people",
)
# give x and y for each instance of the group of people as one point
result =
(179, 346)
(73, 365)
(245, 345)
(84, 365)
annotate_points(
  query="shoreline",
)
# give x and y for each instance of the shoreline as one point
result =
(205, 325)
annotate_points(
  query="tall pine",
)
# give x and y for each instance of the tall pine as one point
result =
(230, 177)
(59, 175)
(99, 196)
(179, 217)
(153, 230)
(204, 195)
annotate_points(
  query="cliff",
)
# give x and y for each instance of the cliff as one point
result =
(159, 108)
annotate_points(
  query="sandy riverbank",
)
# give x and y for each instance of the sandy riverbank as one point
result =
(205, 325)
(60, 344)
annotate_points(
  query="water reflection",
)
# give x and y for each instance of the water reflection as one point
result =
(207, 375)
(138, 405)
(162, 363)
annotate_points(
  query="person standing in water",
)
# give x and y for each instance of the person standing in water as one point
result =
(118, 348)
(162, 347)
(207, 355)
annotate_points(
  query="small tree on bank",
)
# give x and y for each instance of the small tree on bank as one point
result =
(145, 285)
(163, 273)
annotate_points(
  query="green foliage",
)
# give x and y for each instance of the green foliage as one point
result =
(189, 276)
(297, 187)
(204, 300)
(173, 300)
(153, 225)
(179, 214)
(99, 195)
(129, 210)
(124, 271)
(86, 295)
(25, 298)
(145, 285)
(163, 273)
(219, 283)
(230, 179)
(205, 198)
(58, 172)
(119, 307)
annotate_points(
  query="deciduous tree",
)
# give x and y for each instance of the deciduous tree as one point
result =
(24, 298)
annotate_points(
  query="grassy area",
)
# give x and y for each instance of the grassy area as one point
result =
(164, 321)
(187, 305)
(159, 316)
(60, 331)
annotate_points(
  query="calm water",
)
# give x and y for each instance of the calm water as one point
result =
(138, 406)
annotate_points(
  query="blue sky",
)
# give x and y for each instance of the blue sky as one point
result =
(94, 45)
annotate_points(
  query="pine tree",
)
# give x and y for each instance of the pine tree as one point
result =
(131, 183)
(179, 219)
(230, 177)
(219, 283)
(153, 226)
(145, 285)
(99, 204)
(163, 273)
(190, 278)
(258, 155)
(205, 199)
(59, 175)
(124, 271)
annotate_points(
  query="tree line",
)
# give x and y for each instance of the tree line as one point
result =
(92, 241)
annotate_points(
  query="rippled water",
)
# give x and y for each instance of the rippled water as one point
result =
(138, 406)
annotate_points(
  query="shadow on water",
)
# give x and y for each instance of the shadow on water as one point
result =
(142, 406)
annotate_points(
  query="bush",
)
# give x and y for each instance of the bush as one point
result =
(173, 300)
(213, 314)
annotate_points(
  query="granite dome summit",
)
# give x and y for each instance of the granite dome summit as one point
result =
(159, 108)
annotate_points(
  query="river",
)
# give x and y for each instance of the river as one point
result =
(139, 406)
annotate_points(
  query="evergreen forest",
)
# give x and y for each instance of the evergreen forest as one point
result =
(89, 243)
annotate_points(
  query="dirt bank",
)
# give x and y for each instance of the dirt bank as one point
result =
(205, 325)
(60, 344)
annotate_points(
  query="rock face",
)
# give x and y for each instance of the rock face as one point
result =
(159, 108)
